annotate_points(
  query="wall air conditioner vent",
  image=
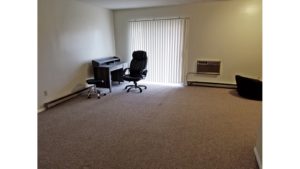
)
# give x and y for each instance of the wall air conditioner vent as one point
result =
(208, 66)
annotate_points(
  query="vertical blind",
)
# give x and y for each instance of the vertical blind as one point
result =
(162, 39)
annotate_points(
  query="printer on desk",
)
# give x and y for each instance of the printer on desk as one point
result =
(108, 69)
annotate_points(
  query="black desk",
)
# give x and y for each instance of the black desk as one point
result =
(107, 70)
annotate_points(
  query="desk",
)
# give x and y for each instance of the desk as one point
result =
(108, 70)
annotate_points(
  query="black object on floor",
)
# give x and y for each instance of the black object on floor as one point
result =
(248, 87)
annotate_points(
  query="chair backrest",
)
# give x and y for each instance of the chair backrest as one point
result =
(138, 63)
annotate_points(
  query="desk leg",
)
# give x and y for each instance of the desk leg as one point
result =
(108, 73)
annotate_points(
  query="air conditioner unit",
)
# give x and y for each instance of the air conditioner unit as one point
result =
(208, 66)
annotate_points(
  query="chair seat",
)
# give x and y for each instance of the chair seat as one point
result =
(93, 89)
(92, 81)
(130, 78)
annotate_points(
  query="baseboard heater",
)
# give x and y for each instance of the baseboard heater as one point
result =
(211, 84)
(64, 98)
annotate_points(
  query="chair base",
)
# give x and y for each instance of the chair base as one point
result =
(94, 90)
(135, 86)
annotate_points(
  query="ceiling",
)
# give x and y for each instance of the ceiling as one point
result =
(129, 4)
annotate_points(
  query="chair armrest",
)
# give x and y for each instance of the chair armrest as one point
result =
(144, 72)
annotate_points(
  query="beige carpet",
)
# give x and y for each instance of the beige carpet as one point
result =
(161, 128)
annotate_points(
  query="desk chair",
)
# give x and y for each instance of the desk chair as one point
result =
(93, 89)
(137, 70)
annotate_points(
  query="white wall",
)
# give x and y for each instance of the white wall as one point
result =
(70, 35)
(227, 30)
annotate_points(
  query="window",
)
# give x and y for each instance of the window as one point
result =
(163, 40)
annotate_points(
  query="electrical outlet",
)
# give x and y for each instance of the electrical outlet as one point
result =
(45, 93)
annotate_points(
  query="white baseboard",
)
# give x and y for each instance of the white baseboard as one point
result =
(64, 98)
(257, 157)
(41, 109)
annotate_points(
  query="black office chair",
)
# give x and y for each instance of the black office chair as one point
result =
(137, 70)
